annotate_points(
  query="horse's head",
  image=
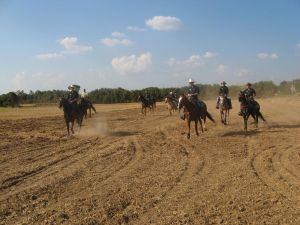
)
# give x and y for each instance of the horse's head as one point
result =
(241, 96)
(182, 101)
(62, 102)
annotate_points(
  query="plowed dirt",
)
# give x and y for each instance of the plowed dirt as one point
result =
(124, 168)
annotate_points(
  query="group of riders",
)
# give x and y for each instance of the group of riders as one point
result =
(193, 91)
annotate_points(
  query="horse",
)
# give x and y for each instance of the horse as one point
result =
(224, 109)
(87, 105)
(249, 107)
(71, 114)
(171, 105)
(194, 113)
(145, 104)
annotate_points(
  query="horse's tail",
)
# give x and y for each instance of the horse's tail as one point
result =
(261, 116)
(210, 117)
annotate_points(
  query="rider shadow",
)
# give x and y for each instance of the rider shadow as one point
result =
(123, 133)
(241, 133)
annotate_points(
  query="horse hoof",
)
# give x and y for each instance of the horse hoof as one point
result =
(188, 136)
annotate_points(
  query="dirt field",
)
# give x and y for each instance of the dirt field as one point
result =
(125, 168)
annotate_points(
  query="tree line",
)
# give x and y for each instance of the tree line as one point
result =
(120, 95)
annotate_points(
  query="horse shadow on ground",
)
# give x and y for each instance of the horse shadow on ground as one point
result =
(241, 133)
(123, 133)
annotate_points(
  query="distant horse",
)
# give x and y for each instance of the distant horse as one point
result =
(193, 113)
(146, 103)
(249, 107)
(87, 105)
(72, 112)
(171, 105)
(224, 109)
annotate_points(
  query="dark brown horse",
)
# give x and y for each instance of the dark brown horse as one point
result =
(72, 112)
(193, 113)
(146, 103)
(224, 109)
(87, 105)
(249, 107)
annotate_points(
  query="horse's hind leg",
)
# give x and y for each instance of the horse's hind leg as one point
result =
(196, 127)
(204, 123)
(90, 112)
(72, 125)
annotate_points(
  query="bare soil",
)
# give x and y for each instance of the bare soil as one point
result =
(124, 168)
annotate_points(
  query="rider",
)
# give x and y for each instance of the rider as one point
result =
(193, 93)
(84, 95)
(224, 91)
(249, 94)
(172, 96)
(73, 96)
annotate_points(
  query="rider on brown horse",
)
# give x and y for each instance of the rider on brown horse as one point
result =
(224, 91)
(73, 96)
(193, 93)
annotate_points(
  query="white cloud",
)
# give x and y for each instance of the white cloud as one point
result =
(164, 23)
(192, 61)
(46, 56)
(117, 34)
(274, 56)
(110, 42)
(134, 28)
(210, 55)
(221, 68)
(71, 45)
(242, 72)
(132, 63)
(263, 56)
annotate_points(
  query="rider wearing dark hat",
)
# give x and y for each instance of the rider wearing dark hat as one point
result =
(224, 91)
(249, 94)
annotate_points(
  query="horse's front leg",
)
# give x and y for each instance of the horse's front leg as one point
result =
(246, 117)
(189, 128)
(68, 127)
(90, 112)
(72, 125)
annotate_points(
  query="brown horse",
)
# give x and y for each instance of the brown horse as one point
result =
(171, 106)
(224, 109)
(250, 107)
(194, 113)
(145, 104)
(72, 112)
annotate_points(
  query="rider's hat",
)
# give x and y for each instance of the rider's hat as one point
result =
(223, 82)
(191, 80)
(71, 87)
(249, 84)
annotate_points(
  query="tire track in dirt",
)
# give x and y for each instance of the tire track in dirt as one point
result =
(269, 168)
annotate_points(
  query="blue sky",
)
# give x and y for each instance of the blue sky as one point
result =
(135, 44)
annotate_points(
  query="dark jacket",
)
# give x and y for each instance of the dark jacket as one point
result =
(224, 91)
(73, 96)
(249, 93)
(193, 89)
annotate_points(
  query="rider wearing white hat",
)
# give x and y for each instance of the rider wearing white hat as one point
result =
(193, 92)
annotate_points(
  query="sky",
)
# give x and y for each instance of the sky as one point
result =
(133, 44)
